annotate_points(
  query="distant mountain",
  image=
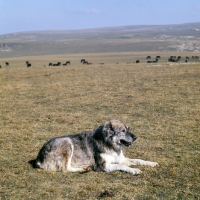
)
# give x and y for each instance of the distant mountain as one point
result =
(181, 37)
(120, 31)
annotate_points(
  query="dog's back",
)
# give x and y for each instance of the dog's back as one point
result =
(65, 153)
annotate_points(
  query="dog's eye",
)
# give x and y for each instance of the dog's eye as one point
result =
(123, 130)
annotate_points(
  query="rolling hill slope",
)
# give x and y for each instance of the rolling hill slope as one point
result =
(180, 37)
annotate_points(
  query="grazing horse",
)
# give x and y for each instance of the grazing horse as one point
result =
(7, 63)
(174, 59)
(85, 62)
(148, 57)
(137, 61)
(67, 62)
(152, 61)
(57, 64)
(28, 64)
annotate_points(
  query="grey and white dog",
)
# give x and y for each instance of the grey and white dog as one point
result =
(98, 150)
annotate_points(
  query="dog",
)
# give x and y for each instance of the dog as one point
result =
(98, 150)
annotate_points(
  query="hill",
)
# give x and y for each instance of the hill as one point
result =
(179, 37)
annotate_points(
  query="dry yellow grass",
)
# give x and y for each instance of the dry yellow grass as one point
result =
(160, 103)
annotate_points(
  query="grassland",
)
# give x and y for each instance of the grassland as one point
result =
(161, 103)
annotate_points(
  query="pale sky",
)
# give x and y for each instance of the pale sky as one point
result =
(34, 15)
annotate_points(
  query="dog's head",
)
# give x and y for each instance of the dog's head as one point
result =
(115, 134)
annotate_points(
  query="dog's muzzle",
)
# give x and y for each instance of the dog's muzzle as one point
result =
(127, 144)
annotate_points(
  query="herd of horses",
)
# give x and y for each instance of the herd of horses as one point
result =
(28, 64)
(148, 60)
(170, 59)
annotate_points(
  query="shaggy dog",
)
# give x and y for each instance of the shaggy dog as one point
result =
(98, 150)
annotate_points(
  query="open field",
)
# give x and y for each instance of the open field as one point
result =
(160, 103)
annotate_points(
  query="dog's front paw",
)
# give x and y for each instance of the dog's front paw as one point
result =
(153, 164)
(135, 171)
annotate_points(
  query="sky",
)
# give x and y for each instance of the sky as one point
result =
(35, 15)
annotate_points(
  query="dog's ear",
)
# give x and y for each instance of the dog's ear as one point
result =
(104, 131)
(107, 125)
(108, 129)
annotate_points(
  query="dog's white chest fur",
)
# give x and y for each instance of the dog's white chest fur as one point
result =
(113, 158)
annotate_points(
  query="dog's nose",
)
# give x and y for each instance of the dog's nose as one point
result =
(134, 137)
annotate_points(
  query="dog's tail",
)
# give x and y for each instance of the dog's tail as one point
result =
(34, 163)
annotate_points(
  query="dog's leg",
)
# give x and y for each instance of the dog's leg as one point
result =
(126, 161)
(113, 163)
(129, 162)
(113, 167)
(69, 166)
(79, 169)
